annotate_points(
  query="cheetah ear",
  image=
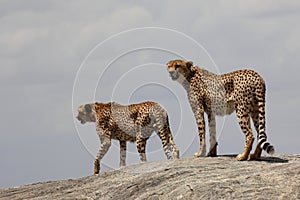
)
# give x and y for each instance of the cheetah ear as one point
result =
(189, 64)
(88, 108)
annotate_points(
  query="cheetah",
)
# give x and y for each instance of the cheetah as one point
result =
(131, 123)
(242, 91)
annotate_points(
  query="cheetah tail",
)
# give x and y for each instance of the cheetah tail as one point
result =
(265, 145)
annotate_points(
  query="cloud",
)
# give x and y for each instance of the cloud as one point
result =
(55, 36)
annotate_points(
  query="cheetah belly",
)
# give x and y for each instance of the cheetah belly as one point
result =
(124, 136)
(222, 108)
(230, 107)
(128, 131)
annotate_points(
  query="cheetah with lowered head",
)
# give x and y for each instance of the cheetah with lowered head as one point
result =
(131, 123)
(242, 91)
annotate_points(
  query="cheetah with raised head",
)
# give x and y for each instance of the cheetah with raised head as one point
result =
(131, 123)
(242, 91)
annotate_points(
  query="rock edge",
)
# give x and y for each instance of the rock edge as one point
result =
(220, 177)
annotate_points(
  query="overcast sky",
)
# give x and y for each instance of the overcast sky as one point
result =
(57, 55)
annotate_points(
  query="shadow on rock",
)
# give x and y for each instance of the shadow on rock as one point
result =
(264, 159)
(274, 160)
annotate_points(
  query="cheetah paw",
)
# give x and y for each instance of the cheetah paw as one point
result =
(253, 157)
(241, 157)
(199, 154)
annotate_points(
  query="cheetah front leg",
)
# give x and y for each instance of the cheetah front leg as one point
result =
(105, 145)
(199, 115)
(122, 153)
(212, 131)
(244, 121)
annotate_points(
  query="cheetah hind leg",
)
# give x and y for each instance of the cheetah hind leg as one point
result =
(257, 153)
(244, 121)
(248, 146)
(255, 118)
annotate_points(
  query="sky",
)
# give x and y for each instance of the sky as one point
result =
(57, 55)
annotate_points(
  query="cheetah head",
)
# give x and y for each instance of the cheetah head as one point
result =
(86, 113)
(179, 69)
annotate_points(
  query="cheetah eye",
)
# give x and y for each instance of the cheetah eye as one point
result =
(176, 66)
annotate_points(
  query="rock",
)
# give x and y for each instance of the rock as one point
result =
(191, 178)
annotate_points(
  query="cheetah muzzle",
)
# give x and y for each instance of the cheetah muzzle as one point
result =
(174, 75)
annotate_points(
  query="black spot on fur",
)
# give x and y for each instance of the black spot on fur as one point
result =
(134, 116)
(146, 121)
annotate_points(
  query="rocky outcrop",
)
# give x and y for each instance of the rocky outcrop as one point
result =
(202, 178)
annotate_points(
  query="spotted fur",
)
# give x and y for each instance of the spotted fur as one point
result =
(131, 123)
(242, 91)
